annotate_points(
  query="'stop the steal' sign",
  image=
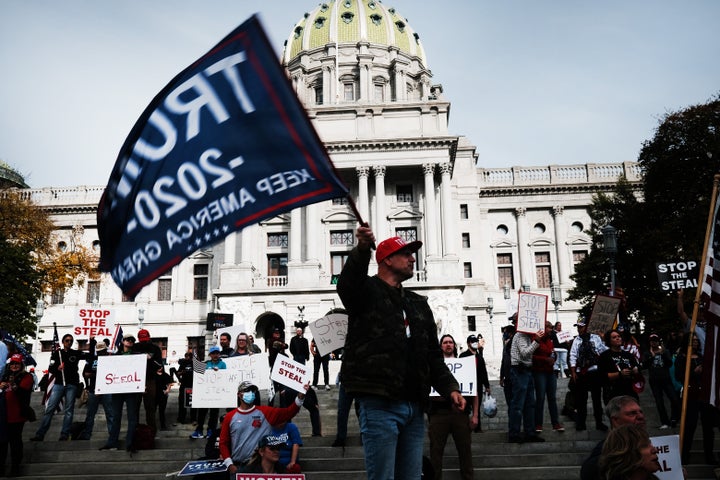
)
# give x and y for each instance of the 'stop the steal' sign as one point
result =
(532, 312)
(676, 275)
(224, 145)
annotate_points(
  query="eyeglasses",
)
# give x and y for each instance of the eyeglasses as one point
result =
(242, 340)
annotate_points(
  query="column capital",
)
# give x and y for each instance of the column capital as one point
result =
(520, 211)
(446, 168)
(557, 210)
(428, 168)
(379, 170)
(362, 172)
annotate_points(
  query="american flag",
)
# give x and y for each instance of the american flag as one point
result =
(198, 366)
(117, 339)
(711, 296)
(51, 376)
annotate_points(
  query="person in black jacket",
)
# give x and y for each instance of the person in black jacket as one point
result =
(392, 356)
(153, 369)
(474, 348)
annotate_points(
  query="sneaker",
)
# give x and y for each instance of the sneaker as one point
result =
(107, 447)
(197, 434)
(209, 433)
(534, 439)
(558, 427)
(538, 428)
(327, 387)
(664, 426)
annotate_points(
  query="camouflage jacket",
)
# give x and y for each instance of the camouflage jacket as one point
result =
(379, 357)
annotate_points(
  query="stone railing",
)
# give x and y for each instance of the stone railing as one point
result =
(560, 174)
(62, 196)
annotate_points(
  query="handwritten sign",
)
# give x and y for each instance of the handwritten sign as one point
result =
(464, 371)
(214, 389)
(201, 467)
(120, 374)
(532, 312)
(668, 452)
(251, 368)
(564, 336)
(329, 332)
(604, 311)
(676, 275)
(94, 322)
(290, 373)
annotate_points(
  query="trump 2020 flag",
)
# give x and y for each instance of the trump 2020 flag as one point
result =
(224, 145)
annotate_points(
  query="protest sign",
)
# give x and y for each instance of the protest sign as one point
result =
(668, 452)
(214, 389)
(564, 336)
(604, 311)
(532, 312)
(329, 332)
(290, 373)
(250, 368)
(676, 275)
(465, 373)
(120, 374)
(201, 467)
(94, 322)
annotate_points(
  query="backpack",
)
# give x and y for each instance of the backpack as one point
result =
(144, 438)
(587, 355)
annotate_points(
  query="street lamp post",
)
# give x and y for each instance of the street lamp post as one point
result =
(141, 317)
(489, 308)
(609, 234)
(556, 298)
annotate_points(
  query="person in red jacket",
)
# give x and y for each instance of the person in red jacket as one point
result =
(543, 363)
(15, 389)
(246, 425)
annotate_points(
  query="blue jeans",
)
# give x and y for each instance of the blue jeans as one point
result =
(344, 404)
(545, 385)
(59, 392)
(522, 404)
(132, 401)
(392, 433)
(94, 401)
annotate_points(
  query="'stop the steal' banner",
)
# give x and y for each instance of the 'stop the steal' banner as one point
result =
(224, 145)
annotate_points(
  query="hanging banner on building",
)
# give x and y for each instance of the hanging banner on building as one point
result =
(532, 312)
(224, 145)
(120, 374)
(329, 332)
(94, 322)
(604, 311)
(464, 371)
(676, 275)
(668, 452)
(290, 373)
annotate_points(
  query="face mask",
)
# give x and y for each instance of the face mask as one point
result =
(248, 397)
(474, 345)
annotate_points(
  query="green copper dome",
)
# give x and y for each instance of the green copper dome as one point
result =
(350, 22)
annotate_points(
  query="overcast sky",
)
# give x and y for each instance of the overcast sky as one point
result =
(531, 82)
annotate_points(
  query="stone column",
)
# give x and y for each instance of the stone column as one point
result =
(523, 246)
(563, 259)
(431, 232)
(312, 232)
(230, 248)
(380, 227)
(448, 225)
(295, 236)
(363, 198)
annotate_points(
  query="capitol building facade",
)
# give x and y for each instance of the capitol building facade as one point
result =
(361, 72)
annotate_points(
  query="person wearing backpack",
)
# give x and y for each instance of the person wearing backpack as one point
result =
(584, 356)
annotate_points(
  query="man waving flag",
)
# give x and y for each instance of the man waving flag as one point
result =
(224, 145)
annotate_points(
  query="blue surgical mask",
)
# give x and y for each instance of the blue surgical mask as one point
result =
(248, 397)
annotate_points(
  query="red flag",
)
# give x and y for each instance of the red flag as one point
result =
(711, 317)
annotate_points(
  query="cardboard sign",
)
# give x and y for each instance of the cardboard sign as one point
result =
(252, 368)
(121, 374)
(604, 311)
(532, 312)
(94, 322)
(329, 332)
(290, 373)
(564, 336)
(201, 467)
(465, 373)
(271, 476)
(214, 389)
(676, 275)
(668, 452)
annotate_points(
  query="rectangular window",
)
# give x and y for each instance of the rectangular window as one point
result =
(278, 239)
(408, 234)
(340, 201)
(505, 270)
(467, 270)
(404, 193)
(466, 240)
(349, 91)
(58, 296)
(338, 262)
(472, 326)
(342, 237)
(379, 92)
(318, 96)
(579, 256)
(463, 211)
(126, 298)
(93, 292)
(542, 269)
(277, 265)
(164, 289)
(201, 274)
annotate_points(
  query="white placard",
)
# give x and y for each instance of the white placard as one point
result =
(329, 332)
(250, 368)
(290, 373)
(121, 374)
(564, 336)
(532, 312)
(668, 456)
(215, 389)
(465, 372)
(94, 322)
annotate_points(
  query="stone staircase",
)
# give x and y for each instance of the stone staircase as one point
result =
(558, 458)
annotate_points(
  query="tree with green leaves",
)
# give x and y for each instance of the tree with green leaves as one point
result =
(664, 220)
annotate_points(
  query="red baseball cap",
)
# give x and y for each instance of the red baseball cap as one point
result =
(394, 245)
(144, 335)
(16, 358)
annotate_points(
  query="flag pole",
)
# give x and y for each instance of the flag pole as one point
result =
(696, 304)
(357, 214)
